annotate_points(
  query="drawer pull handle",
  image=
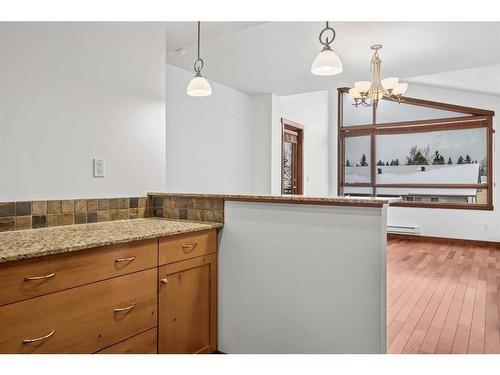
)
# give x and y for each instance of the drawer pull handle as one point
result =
(40, 277)
(164, 281)
(129, 259)
(187, 248)
(28, 341)
(128, 308)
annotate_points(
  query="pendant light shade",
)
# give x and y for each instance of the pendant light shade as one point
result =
(199, 85)
(327, 62)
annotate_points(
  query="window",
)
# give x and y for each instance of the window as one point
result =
(428, 153)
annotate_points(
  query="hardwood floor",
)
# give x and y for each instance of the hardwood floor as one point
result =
(442, 298)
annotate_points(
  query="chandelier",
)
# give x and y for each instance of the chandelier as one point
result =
(366, 93)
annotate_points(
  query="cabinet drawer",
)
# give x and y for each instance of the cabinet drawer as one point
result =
(144, 343)
(186, 246)
(81, 320)
(35, 277)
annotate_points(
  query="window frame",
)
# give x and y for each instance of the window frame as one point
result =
(473, 118)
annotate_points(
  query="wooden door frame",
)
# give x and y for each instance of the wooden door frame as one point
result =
(299, 128)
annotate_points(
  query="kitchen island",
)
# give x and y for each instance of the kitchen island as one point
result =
(297, 274)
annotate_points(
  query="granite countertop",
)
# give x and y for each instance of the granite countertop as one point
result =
(282, 198)
(22, 244)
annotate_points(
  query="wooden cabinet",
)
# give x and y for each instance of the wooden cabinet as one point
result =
(81, 320)
(39, 276)
(149, 296)
(143, 343)
(187, 306)
(187, 246)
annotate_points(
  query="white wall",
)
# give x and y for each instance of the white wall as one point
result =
(312, 111)
(208, 139)
(261, 143)
(468, 224)
(276, 139)
(73, 91)
(333, 141)
(312, 281)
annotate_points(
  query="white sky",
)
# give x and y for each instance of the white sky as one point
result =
(449, 143)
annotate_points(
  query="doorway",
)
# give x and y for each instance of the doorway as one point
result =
(292, 136)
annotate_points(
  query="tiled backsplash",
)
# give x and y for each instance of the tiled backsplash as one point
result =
(40, 214)
(189, 208)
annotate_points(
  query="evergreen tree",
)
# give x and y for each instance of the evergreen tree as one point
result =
(386, 163)
(467, 159)
(380, 163)
(438, 158)
(418, 156)
(449, 161)
(347, 163)
(363, 161)
(460, 160)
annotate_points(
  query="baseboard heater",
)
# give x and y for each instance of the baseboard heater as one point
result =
(403, 229)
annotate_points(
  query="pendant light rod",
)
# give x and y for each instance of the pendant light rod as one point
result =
(198, 64)
(198, 40)
(327, 41)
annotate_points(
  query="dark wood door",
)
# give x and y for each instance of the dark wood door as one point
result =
(187, 306)
(291, 158)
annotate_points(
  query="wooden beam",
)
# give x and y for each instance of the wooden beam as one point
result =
(436, 105)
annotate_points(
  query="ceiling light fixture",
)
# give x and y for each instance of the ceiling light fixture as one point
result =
(366, 93)
(327, 62)
(199, 85)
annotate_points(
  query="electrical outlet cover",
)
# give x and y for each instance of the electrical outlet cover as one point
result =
(98, 167)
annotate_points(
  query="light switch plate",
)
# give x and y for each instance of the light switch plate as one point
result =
(98, 167)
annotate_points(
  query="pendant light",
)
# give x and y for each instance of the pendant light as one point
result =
(327, 62)
(199, 85)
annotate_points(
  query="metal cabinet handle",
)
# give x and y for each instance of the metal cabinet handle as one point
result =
(164, 281)
(129, 259)
(128, 308)
(40, 277)
(187, 248)
(28, 341)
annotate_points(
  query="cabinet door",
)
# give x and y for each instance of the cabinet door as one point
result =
(188, 306)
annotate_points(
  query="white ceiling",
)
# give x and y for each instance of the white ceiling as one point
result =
(183, 34)
(485, 79)
(275, 57)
